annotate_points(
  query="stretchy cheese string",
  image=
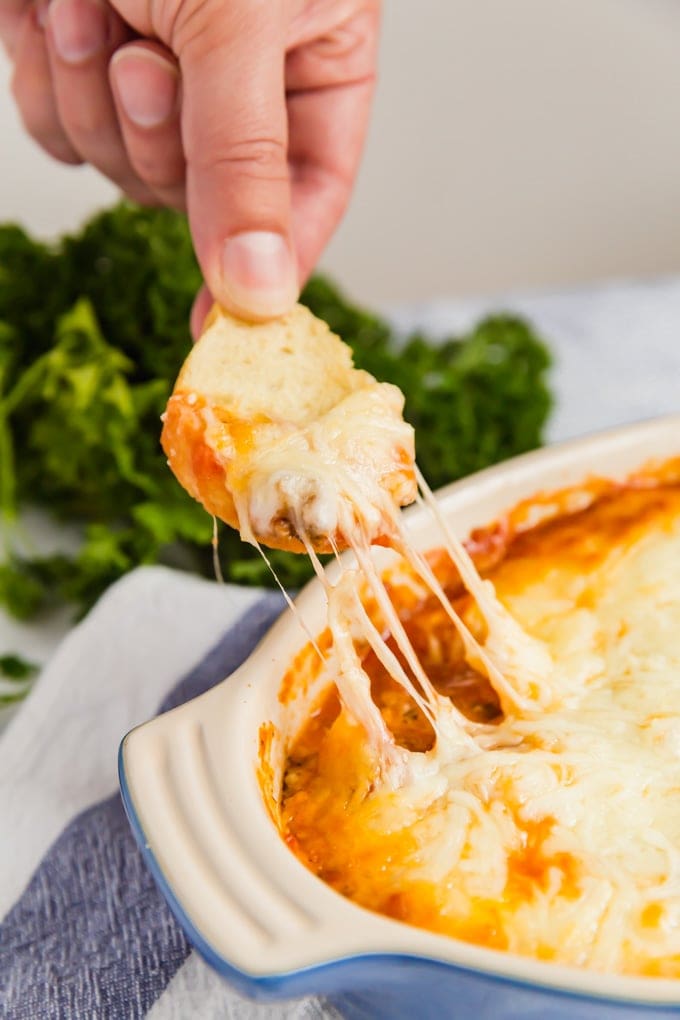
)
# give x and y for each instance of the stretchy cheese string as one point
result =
(427, 704)
(217, 566)
(515, 675)
(447, 721)
(517, 666)
(291, 605)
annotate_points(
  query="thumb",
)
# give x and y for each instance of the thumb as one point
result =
(234, 129)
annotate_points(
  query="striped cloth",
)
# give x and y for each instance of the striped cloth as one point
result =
(85, 933)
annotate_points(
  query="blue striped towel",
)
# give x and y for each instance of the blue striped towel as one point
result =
(85, 933)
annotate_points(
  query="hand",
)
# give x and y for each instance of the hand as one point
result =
(251, 114)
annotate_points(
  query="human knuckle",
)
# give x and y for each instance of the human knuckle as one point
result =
(342, 42)
(346, 53)
(261, 157)
(186, 22)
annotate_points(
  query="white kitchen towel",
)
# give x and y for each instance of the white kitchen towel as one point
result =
(85, 933)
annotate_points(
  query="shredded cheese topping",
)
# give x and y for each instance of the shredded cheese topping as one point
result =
(554, 832)
(339, 474)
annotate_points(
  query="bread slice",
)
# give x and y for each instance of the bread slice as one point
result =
(274, 431)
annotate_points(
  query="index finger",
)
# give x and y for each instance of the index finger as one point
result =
(234, 127)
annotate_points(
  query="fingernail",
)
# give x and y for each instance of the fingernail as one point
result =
(147, 86)
(80, 28)
(259, 275)
(41, 9)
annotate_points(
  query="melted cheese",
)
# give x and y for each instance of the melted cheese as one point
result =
(332, 477)
(554, 832)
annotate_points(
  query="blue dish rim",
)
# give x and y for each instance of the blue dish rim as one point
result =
(332, 977)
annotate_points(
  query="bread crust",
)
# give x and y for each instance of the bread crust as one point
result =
(190, 423)
(198, 469)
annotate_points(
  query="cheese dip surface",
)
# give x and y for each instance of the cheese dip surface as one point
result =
(542, 819)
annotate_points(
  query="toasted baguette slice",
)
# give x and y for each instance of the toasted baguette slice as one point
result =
(274, 431)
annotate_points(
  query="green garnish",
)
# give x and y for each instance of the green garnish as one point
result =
(16, 676)
(93, 332)
(14, 667)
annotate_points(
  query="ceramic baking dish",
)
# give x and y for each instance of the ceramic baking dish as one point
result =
(191, 779)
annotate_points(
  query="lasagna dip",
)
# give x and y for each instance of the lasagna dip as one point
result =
(496, 756)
